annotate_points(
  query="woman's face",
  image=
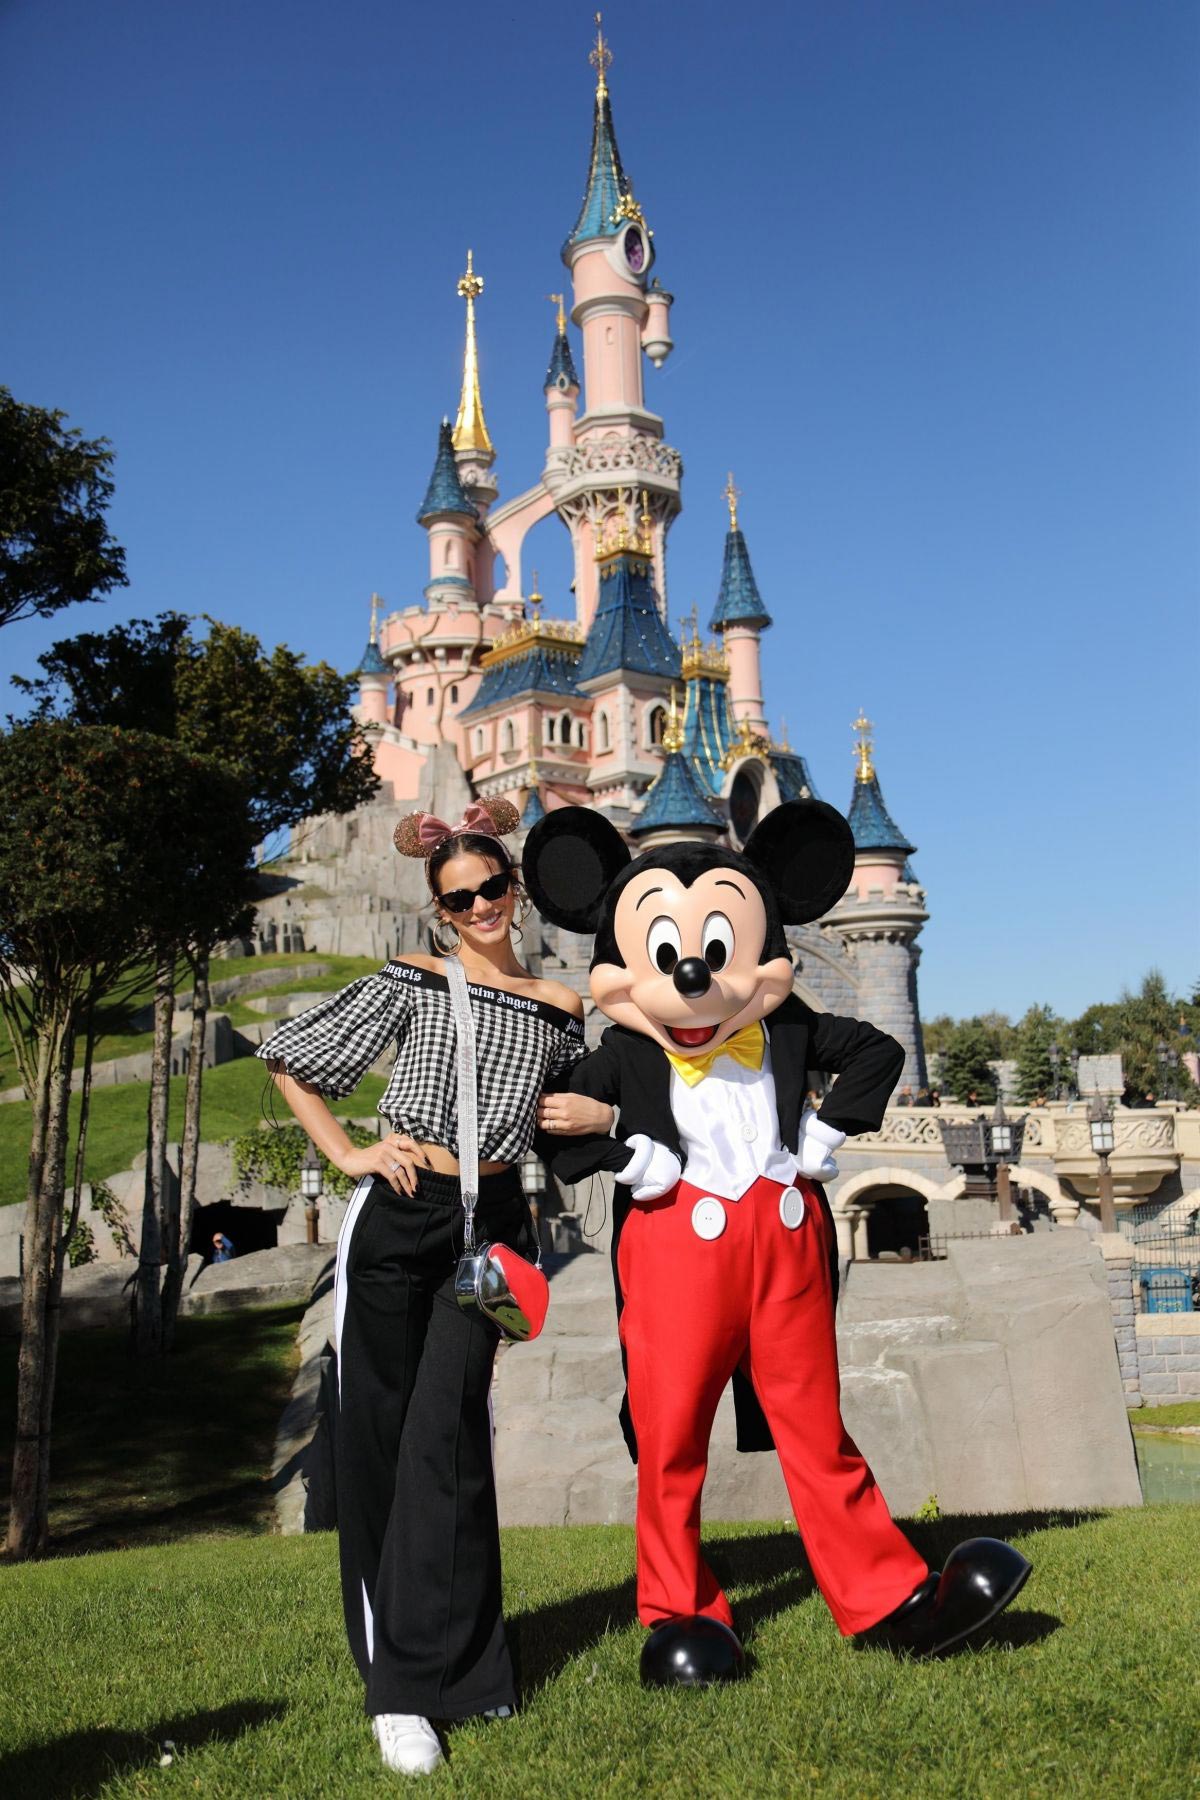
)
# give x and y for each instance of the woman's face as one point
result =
(485, 921)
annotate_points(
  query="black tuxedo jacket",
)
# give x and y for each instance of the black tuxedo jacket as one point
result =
(632, 1073)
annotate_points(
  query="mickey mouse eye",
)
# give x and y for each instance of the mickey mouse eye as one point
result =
(716, 940)
(664, 944)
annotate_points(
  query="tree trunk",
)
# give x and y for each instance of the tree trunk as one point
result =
(28, 1506)
(85, 1106)
(177, 1246)
(148, 1297)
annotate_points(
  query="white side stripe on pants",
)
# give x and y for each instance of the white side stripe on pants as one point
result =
(357, 1198)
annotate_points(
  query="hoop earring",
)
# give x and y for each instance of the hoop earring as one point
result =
(525, 905)
(445, 949)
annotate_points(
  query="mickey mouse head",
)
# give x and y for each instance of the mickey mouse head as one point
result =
(689, 938)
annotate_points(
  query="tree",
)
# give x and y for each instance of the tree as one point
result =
(283, 728)
(970, 1049)
(1036, 1072)
(1146, 1030)
(93, 851)
(55, 547)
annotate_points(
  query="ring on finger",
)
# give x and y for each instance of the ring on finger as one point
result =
(395, 1166)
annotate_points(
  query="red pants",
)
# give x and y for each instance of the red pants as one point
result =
(757, 1296)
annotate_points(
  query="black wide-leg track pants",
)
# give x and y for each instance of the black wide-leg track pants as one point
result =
(416, 1493)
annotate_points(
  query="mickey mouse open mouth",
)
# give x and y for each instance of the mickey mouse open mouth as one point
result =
(692, 1037)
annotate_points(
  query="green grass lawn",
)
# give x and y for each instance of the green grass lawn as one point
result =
(116, 1036)
(234, 1651)
(233, 1101)
(149, 1452)
(1149, 1418)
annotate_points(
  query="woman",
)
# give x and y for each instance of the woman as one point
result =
(416, 1498)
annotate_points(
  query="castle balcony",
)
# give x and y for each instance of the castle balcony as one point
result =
(1152, 1146)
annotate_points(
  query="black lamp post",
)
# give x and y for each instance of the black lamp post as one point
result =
(310, 1187)
(985, 1149)
(1100, 1126)
(1168, 1062)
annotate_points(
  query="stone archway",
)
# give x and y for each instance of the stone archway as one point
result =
(854, 1199)
(1064, 1208)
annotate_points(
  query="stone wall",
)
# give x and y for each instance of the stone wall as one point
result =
(1168, 1357)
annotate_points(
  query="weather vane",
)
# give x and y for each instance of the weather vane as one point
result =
(600, 58)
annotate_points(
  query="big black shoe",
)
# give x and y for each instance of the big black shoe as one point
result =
(691, 1652)
(979, 1580)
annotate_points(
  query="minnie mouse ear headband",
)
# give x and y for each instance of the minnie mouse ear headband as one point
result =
(803, 851)
(421, 833)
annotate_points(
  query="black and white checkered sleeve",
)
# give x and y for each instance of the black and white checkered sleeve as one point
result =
(333, 1044)
(569, 1049)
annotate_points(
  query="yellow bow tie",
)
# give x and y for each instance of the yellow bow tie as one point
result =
(745, 1047)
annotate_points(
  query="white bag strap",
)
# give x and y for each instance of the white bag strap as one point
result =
(468, 1106)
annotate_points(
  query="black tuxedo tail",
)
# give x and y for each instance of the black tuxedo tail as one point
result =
(632, 1073)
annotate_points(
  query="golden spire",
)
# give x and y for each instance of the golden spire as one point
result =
(864, 747)
(600, 58)
(672, 737)
(535, 600)
(646, 521)
(558, 300)
(732, 496)
(470, 427)
(783, 735)
(374, 639)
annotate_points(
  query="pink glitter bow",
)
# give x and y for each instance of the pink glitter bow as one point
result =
(433, 831)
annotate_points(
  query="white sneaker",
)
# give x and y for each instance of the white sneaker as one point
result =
(408, 1743)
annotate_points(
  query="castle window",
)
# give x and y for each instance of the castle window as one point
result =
(429, 696)
(478, 741)
(657, 722)
(564, 726)
(603, 738)
(581, 734)
(508, 735)
(454, 694)
(551, 728)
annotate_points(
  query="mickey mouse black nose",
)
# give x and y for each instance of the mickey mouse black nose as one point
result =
(692, 977)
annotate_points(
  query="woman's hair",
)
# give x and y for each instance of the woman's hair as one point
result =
(424, 835)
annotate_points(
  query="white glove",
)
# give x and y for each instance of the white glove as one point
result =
(652, 1170)
(818, 1142)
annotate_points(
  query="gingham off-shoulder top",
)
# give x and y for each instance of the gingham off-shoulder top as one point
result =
(522, 1045)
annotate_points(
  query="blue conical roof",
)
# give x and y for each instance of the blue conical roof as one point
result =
(445, 493)
(739, 601)
(791, 772)
(542, 667)
(534, 812)
(561, 373)
(627, 632)
(372, 663)
(872, 824)
(607, 182)
(677, 798)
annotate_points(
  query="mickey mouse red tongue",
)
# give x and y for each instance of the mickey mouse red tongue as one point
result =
(692, 1037)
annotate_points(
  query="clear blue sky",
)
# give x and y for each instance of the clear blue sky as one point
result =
(936, 274)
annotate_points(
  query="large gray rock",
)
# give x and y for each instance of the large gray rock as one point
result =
(989, 1380)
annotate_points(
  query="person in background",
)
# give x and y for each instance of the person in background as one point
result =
(222, 1247)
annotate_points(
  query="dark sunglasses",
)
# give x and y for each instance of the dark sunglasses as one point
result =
(461, 900)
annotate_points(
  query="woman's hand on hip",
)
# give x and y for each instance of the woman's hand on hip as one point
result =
(395, 1159)
(567, 1115)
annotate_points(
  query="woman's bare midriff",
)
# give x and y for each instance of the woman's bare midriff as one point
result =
(444, 1162)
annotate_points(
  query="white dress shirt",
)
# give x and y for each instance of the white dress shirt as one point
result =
(729, 1127)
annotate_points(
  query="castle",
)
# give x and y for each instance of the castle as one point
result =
(603, 707)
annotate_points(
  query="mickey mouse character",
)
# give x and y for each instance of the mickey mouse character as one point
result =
(723, 1243)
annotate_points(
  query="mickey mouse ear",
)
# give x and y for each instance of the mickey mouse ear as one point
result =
(571, 859)
(806, 851)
